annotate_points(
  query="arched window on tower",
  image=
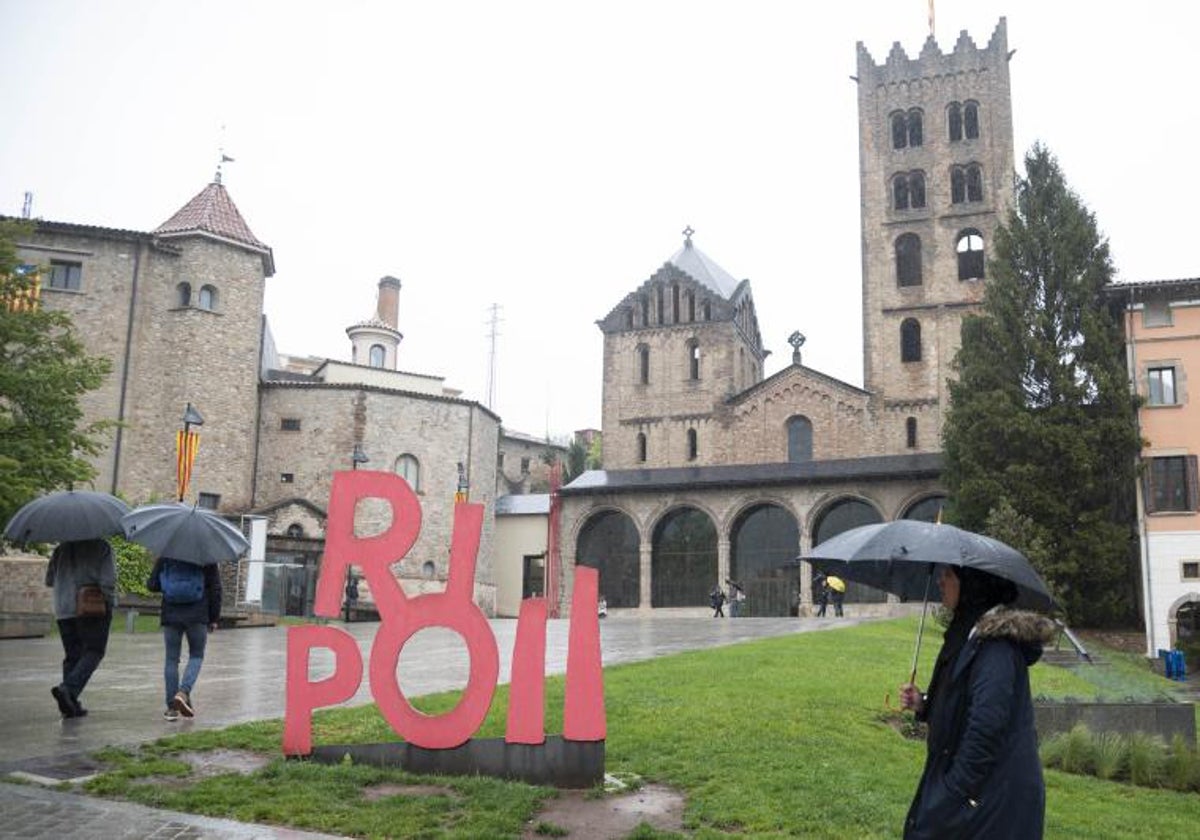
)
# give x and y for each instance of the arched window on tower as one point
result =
(908, 260)
(966, 183)
(409, 468)
(900, 192)
(915, 128)
(378, 356)
(969, 248)
(659, 298)
(958, 185)
(629, 318)
(207, 299)
(691, 305)
(675, 319)
(971, 120)
(692, 446)
(643, 353)
(641, 448)
(693, 350)
(644, 300)
(916, 189)
(706, 311)
(899, 130)
(910, 340)
(974, 182)
(183, 294)
(910, 432)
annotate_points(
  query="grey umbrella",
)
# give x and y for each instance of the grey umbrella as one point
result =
(896, 557)
(900, 557)
(67, 515)
(185, 533)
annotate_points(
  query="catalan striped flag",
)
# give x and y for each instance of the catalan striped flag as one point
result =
(186, 444)
(22, 295)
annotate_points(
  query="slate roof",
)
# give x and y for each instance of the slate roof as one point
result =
(525, 504)
(876, 467)
(213, 212)
(700, 268)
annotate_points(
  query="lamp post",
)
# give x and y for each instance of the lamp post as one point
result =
(185, 448)
(358, 456)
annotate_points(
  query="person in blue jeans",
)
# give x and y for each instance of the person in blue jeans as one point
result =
(191, 608)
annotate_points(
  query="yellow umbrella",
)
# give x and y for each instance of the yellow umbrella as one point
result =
(836, 583)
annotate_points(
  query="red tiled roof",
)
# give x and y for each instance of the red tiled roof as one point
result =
(212, 211)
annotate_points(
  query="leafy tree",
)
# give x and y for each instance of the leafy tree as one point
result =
(44, 369)
(133, 566)
(1041, 426)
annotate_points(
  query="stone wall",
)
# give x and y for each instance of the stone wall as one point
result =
(26, 603)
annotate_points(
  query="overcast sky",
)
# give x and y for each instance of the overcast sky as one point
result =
(544, 156)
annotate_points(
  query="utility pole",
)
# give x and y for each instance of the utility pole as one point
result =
(493, 332)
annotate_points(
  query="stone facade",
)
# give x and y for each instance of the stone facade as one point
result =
(26, 603)
(524, 463)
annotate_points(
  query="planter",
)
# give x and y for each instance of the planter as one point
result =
(1164, 719)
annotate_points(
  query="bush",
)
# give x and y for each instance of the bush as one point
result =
(133, 566)
(1146, 758)
(1109, 755)
(1077, 756)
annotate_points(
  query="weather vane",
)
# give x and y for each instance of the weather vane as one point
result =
(687, 235)
(224, 157)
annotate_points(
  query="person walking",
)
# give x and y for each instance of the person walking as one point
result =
(716, 600)
(982, 776)
(84, 577)
(837, 591)
(822, 584)
(191, 608)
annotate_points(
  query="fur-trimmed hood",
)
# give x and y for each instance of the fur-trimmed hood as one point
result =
(1030, 631)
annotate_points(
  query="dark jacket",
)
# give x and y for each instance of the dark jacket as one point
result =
(982, 775)
(205, 611)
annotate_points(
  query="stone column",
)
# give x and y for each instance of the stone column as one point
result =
(644, 553)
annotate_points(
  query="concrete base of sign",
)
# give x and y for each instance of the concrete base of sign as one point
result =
(557, 762)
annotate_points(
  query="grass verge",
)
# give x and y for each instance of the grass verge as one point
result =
(785, 737)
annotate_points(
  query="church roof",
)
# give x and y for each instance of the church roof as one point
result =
(213, 212)
(692, 261)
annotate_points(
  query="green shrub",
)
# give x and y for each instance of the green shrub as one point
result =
(133, 566)
(1182, 766)
(1146, 757)
(1078, 751)
(1109, 755)
(1051, 750)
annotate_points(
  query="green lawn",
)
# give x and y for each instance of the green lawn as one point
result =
(777, 738)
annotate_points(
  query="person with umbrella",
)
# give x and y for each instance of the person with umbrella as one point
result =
(188, 542)
(837, 591)
(191, 608)
(84, 576)
(982, 776)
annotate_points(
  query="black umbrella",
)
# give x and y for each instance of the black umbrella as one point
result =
(900, 557)
(183, 532)
(67, 515)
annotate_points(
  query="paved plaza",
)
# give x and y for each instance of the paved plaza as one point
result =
(243, 680)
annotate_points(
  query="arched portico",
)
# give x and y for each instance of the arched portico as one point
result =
(608, 541)
(764, 543)
(683, 560)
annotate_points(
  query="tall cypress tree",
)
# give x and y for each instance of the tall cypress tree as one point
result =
(1041, 423)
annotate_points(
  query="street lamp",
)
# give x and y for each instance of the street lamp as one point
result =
(186, 443)
(359, 457)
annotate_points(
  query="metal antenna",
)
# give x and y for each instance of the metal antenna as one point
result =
(493, 332)
(27, 207)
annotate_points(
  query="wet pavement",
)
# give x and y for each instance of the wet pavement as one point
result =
(243, 680)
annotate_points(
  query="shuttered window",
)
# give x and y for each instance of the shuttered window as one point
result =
(1171, 485)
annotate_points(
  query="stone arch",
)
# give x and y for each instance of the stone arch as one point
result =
(608, 540)
(764, 542)
(841, 513)
(1189, 605)
(683, 557)
(923, 507)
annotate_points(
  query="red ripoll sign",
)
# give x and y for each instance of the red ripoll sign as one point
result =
(454, 608)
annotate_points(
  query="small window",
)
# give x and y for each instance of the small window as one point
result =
(207, 298)
(1162, 385)
(66, 275)
(525, 466)
(295, 530)
(675, 319)
(969, 249)
(910, 432)
(409, 469)
(660, 314)
(289, 424)
(692, 445)
(915, 128)
(966, 184)
(799, 439)
(974, 183)
(500, 461)
(183, 294)
(900, 192)
(971, 120)
(706, 311)
(208, 501)
(910, 340)
(1171, 485)
(643, 364)
(428, 569)
(1190, 569)
(629, 318)
(641, 448)
(899, 130)
(908, 260)
(287, 478)
(954, 121)
(908, 191)
(693, 360)
(378, 356)
(691, 305)
(1157, 313)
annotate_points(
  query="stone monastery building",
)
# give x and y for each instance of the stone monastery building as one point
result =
(711, 469)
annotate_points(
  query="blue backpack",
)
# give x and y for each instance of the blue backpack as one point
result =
(182, 583)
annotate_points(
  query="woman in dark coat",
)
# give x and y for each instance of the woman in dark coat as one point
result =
(982, 775)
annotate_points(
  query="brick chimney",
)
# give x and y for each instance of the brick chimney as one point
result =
(388, 308)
